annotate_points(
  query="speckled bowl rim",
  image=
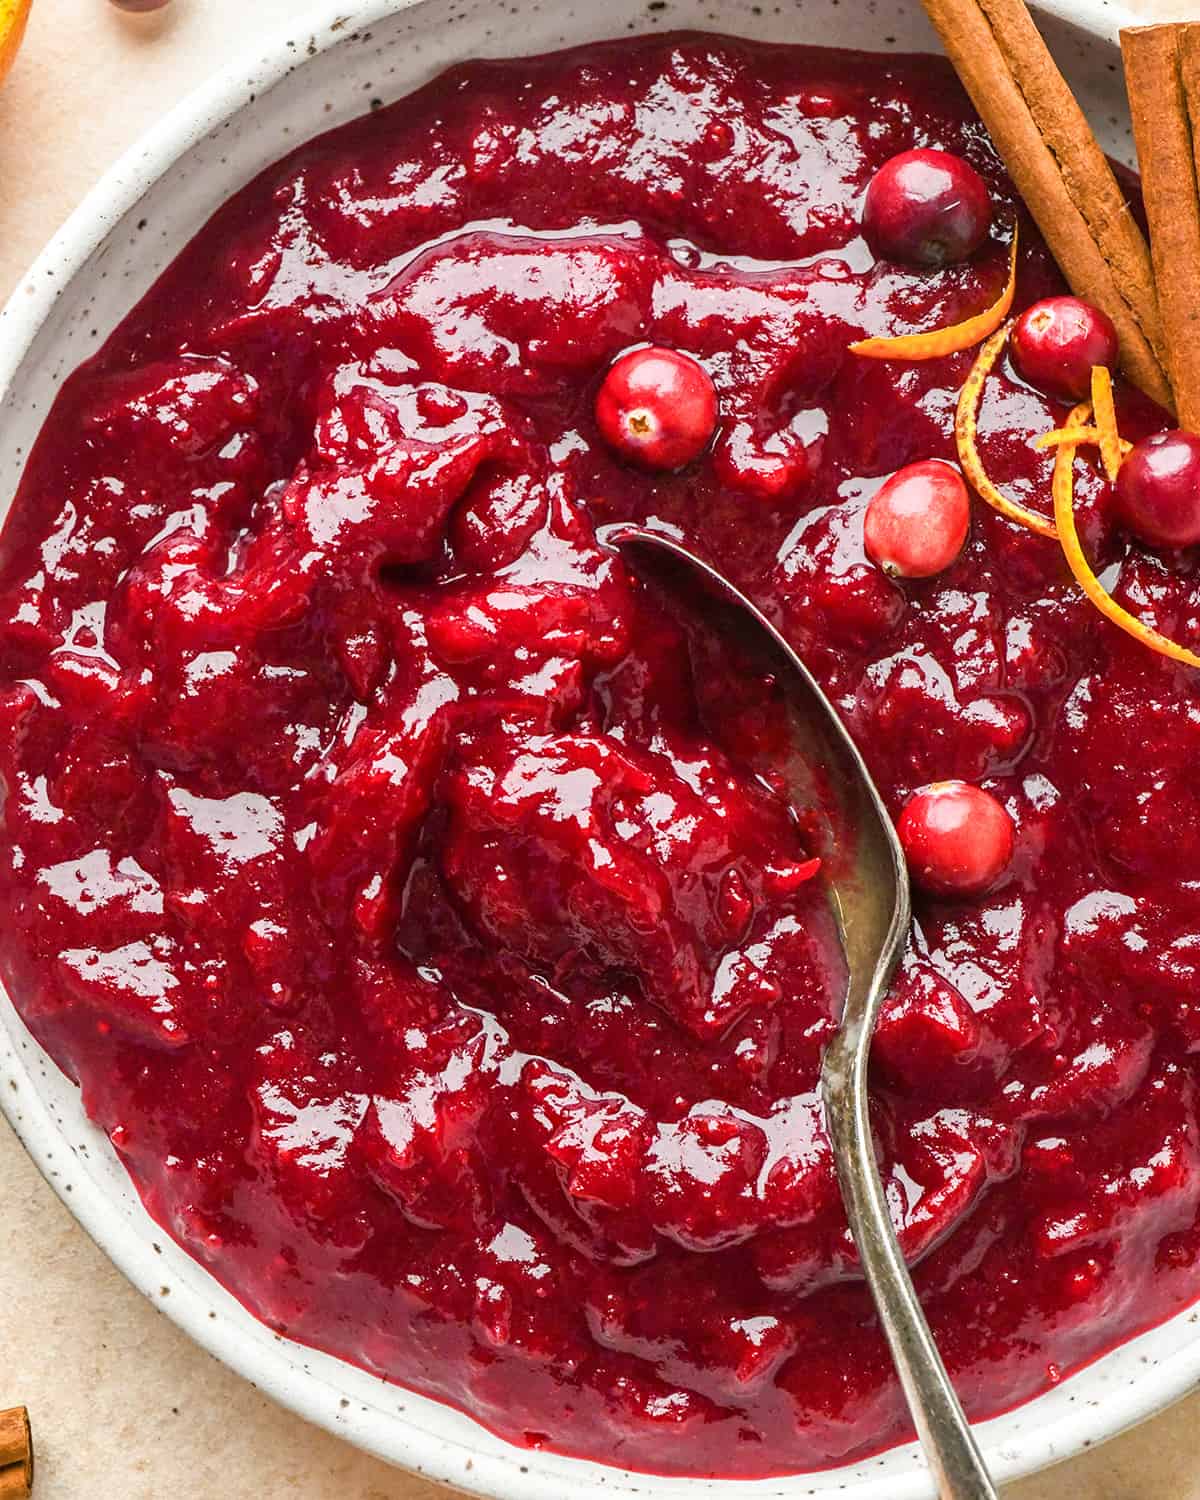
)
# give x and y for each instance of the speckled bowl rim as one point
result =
(1133, 1382)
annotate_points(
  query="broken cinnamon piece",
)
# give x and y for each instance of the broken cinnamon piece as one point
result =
(16, 1454)
(1165, 120)
(1059, 170)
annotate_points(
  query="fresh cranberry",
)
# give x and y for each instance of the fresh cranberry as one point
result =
(917, 521)
(957, 838)
(1057, 341)
(1158, 490)
(927, 208)
(657, 407)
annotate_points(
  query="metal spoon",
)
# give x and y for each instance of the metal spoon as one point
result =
(868, 881)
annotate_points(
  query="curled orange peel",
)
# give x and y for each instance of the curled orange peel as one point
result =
(1106, 421)
(1084, 436)
(955, 336)
(1057, 436)
(966, 434)
(1063, 487)
(13, 16)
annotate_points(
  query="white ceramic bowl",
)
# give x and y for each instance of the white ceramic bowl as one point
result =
(317, 75)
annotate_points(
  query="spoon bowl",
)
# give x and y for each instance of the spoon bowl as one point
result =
(867, 880)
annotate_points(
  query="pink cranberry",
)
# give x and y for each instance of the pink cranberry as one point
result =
(658, 408)
(926, 208)
(1158, 490)
(957, 838)
(139, 5)
(916, 524)
(1058, 340)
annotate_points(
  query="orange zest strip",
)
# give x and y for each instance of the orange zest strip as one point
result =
(1106, 421)
(966, 433)
(1057, 436)
(1064, 514)
(955, 336)
(1084, 436)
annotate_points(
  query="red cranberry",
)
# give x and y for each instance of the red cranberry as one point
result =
(917, 520)
(657, 407)
(957, 838)
(1058, 340)
(927, 208)
(1158, 490)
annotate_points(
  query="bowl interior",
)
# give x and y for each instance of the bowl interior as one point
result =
(322, 73)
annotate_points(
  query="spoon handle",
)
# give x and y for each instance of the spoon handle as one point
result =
(946, 1437)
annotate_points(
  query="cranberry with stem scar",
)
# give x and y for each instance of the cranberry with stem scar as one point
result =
(957, 838)
(1158, 490)
(137, 7)
(657, 408)
(926, 208)
(1057, 341)
(917, 521)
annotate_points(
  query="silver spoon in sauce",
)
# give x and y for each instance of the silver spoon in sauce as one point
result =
(867, 880)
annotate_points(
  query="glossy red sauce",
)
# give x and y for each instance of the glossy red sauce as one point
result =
(387, 867)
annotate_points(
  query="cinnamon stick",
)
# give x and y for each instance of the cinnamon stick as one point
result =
(1162, 75)
(16, 1454)
(1060, 171)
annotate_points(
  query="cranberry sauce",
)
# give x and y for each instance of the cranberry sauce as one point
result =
(390, 868)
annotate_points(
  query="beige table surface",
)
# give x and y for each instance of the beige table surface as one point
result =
(124, 1407)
